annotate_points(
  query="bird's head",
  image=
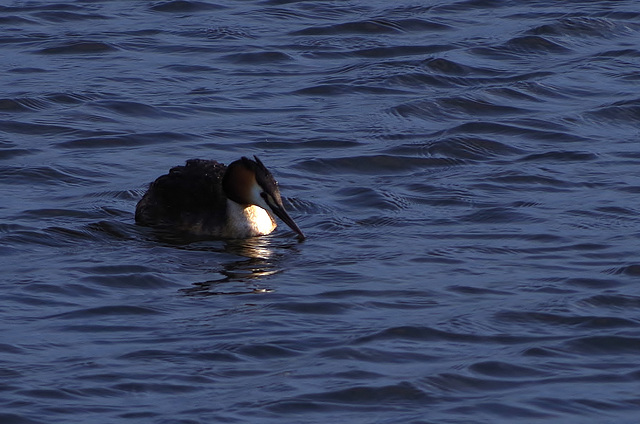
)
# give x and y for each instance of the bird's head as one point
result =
(249, 182)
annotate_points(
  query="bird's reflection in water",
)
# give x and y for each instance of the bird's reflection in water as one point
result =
(260, 258)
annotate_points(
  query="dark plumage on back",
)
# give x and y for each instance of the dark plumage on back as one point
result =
(187, 193)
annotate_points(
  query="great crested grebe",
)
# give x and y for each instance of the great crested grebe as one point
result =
(207, 198)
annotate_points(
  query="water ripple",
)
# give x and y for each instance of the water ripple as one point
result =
(378, 26)
(399, 394)
(184, 6)
(78, 47)
(375, 164)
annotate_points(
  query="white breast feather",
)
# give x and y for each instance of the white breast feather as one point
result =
(248, 222)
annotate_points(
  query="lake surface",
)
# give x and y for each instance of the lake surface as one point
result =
(467, 174)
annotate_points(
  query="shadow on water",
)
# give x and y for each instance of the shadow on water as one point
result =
(259, 257)
(243, 261)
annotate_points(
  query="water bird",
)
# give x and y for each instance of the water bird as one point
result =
(207, 198)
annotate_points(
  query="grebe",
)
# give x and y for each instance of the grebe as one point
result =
(207, 198)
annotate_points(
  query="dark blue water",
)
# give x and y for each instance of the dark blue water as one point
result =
(467, 174)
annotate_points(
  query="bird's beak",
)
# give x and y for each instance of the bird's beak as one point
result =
(284, 216)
